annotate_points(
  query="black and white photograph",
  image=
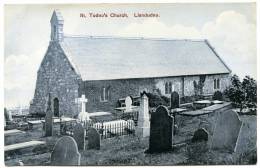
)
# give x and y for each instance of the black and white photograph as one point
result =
(129, 84)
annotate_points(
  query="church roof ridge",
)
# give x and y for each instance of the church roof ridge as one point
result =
(133, 38)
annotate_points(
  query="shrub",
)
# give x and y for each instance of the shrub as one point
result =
(242, 94)
(156, 100)
(217, 96)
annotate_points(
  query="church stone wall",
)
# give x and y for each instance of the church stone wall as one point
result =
(56, 76)
(121, 88)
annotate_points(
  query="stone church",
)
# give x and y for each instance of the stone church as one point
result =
(107, 69)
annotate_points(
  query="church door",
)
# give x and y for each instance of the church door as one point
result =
(56, 107)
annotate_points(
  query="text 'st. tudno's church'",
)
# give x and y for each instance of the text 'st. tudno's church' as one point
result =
(107, 69)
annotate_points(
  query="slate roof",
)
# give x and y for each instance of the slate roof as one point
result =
(100, 58)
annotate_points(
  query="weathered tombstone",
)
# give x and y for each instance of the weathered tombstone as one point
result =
(8, 115)
(143, 125)
(93, 139)
(217, 96)
(79, 135)
(200, 135)
(175, 103)
(65, 152)
(49, 119)
(226, 131)
(175, 100)
(128, 103)
(160, 131)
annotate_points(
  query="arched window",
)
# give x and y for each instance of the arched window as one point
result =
(105, 94)
(216, 83)
(168, 87)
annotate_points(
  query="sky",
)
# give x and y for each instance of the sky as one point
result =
(229, 27)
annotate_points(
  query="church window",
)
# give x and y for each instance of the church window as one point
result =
(168, 87)
(105, 94)
(216, 84)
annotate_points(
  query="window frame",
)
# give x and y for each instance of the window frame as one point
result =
(168, 87)
(216, 84)
(105, 93)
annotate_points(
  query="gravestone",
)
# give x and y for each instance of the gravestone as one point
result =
(217, 96)
(93, 139)
(226, 132)
(128, 103)
(8, 115)
(49, 119)
(83, 115)
(160, 131)
(79, 135)
(200, 135)
(65, 152)
(143, 124)
(175, 100)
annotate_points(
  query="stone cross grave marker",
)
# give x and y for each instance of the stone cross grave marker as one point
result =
(65, 152)
(143, 125)
(160, 131)
(175, 100)
(128, 103)
(49, 119)
(93, 139)
(79, 135)
(226, 132)
(83, 115)
(83, 100)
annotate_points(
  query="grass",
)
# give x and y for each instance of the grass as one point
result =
(130, 150)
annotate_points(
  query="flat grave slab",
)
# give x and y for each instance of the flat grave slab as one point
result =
(35, 122)
(65, 119)
(218, 107)
(101, 113)
(178, 110)
(195, 113)
(23, 145)
(133, 108)
(203, 102)
(13, 132)
(207, 110)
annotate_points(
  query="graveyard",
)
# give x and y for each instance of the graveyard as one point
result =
(210, 133)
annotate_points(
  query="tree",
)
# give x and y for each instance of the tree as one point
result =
(249, 87)
(242, 94)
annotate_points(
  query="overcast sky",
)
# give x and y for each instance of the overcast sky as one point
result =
(230, 28)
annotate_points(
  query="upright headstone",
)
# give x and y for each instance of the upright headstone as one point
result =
(49, 119)
(160, 131)
(200, 135)
(94, 139)
(217, 96)
(65, 152)
(226, 132)
(175, 103)
(8, 115)
(128, 103)
(143, 124)
(79, 135)
(175, 100)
